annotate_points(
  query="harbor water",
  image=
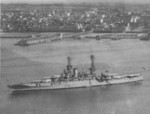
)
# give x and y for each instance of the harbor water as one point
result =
(23, 64)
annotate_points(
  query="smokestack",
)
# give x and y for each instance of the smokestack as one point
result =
(75, 72)
(92, 64)
(61, 36)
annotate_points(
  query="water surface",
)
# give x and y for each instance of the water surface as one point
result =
(33, 62)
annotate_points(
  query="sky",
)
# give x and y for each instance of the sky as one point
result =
(73, 1)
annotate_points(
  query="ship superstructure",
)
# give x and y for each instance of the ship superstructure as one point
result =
(72, 78)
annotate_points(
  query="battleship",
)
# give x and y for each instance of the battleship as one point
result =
(72, 78)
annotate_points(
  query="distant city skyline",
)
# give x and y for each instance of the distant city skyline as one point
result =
(74, 1)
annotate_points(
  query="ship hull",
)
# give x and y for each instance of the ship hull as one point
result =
(79, 84)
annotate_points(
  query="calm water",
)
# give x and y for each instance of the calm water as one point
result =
(34, 62)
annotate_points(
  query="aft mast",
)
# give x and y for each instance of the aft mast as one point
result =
(92, 69)
(69, 66)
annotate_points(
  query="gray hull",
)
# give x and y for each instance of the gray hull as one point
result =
(81, 83)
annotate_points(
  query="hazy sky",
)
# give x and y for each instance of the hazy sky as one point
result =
(73, 1)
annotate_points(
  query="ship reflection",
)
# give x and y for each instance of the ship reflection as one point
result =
(101, 94)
